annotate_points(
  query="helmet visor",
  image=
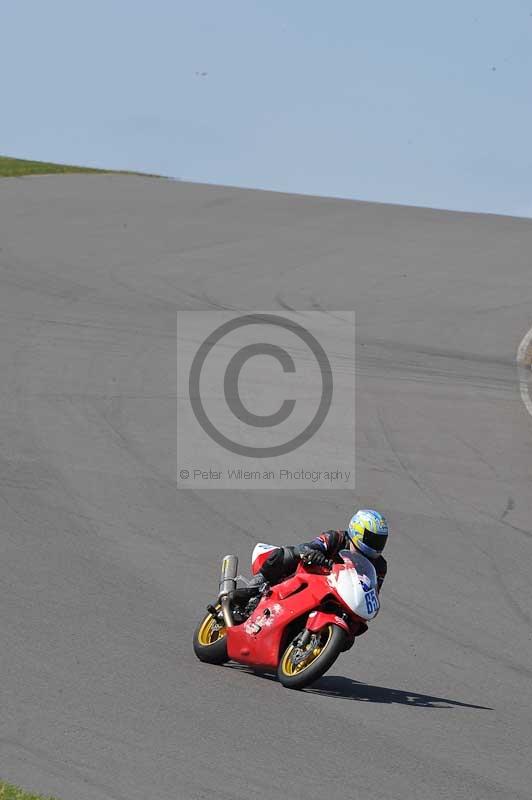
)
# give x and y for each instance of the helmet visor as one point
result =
(374, 540)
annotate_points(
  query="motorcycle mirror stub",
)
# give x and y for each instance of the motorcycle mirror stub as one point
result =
(260, 554)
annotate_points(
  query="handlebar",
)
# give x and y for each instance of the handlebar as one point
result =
(308, 563)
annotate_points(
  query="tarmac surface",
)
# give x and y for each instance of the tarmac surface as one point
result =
(105, 568)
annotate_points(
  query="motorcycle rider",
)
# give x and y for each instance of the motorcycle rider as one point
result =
(367, 533)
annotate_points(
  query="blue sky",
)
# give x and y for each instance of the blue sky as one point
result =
(411, 102)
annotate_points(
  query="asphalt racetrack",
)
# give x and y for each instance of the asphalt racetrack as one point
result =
(105, 568)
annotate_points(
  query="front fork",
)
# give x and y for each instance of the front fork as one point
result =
(304, 639)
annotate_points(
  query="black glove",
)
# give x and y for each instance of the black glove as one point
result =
(315, 558)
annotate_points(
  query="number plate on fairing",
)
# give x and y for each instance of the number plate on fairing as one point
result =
(372, 602)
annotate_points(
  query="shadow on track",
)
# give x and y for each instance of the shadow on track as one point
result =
(336, 686)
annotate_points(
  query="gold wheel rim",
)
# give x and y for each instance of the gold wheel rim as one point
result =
(209, 633)
(290, 669)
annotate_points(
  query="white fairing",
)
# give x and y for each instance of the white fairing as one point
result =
(356, 583)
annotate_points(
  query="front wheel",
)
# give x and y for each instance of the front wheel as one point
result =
(210, 640)
(301, 666)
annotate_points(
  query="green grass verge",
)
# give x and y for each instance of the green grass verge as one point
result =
(9, 792)
(17, 167)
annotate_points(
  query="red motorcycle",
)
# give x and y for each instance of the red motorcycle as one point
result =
(298, 627)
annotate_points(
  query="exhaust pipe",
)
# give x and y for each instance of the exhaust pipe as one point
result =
(227, 585)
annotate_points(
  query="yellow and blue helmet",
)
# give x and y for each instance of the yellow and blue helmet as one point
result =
(368, 530)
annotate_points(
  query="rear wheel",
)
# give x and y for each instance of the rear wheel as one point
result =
(301, 666)
(210, 640)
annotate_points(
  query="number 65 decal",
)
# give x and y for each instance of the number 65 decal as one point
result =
(372, 603)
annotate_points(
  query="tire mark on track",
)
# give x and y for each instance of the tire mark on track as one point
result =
(494, 561)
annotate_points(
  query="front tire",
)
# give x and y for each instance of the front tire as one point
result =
(210, 640)
(299, 668)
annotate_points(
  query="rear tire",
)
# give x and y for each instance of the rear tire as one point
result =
(297, 676)
(210, 641)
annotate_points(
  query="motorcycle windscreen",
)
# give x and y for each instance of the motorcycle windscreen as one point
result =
(363, 566)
